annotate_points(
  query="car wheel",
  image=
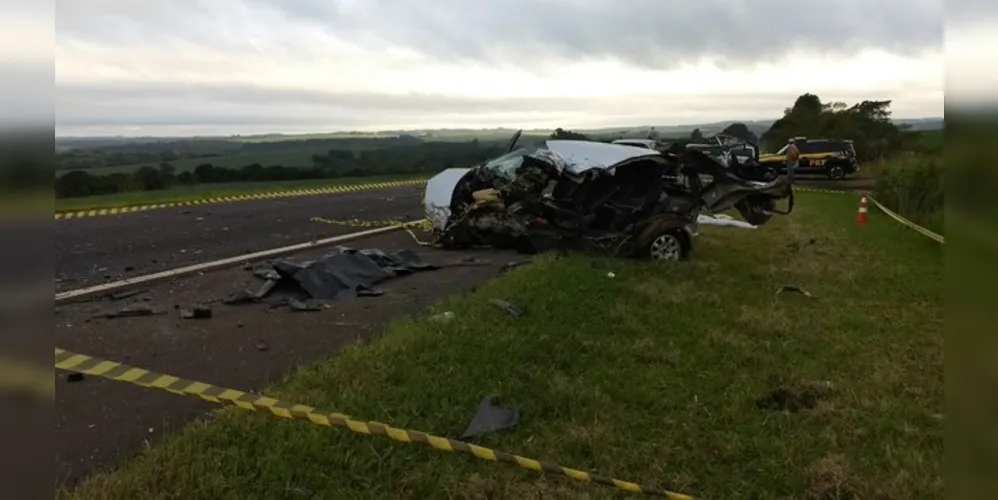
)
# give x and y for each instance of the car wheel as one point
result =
(667, 246)
(836, 172)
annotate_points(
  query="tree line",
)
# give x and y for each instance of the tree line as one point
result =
(418, 158)
(868, 124)
(182, 149)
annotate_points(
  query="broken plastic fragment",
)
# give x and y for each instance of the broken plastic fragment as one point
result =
(302, 305)
(792, 288)
(489, 418)
(443, 317)
(196, 312)
(133, 310)
(509, 307)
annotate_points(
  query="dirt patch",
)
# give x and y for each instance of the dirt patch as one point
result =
(794, 398)
(831, 479)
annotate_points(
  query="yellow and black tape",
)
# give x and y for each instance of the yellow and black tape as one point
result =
(352, 188)
(89, 365)
(826, 191)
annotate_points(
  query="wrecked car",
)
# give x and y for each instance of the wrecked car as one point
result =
(591, 196)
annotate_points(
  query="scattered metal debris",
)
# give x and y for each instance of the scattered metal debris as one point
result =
(129, 311)
(513, 310)
(490, 418)
(126, 294)
(793, 288)
(261, 345)
(723, 220)
(196, 312)
(443, 317)
(303, 305)
(593, 196)
(240, 297)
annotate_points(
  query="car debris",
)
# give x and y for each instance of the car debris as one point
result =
(130, 311)
(511, 308)
(341, 274)
(491, 417)
(593, 196)
(723, 220)
(126, 294)
(793, 288)
(196, 312)
(443, 317)
(303, 305)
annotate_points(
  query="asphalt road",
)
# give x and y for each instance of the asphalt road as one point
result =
(94, 250)
(99, 423)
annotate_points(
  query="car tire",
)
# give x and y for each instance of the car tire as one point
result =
(668, 246)
(836, 172)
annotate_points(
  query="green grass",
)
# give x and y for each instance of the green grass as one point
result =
(652, 375)
(202, 191)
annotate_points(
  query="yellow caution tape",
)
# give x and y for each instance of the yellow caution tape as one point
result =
(89, 365)
(890, 213)
(907, 223)
(98, 212)
(826, 191)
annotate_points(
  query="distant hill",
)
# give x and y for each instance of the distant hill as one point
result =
(757, 126)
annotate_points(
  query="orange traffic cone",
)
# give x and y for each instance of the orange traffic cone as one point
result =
(862, 211)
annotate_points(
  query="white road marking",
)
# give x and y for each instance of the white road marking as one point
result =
(105, 288)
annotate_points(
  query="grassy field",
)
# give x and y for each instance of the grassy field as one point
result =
(292, 157)
(694, 376)
(202, 191)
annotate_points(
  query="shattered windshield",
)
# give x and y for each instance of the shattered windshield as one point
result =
(507, 164)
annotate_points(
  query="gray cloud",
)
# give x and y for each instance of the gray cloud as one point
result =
(971, 11)
(528, 34)
(652, 33)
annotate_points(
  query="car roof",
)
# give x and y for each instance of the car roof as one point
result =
(581, 156)
(647, 142)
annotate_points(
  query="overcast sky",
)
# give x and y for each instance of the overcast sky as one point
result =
(249, 66)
